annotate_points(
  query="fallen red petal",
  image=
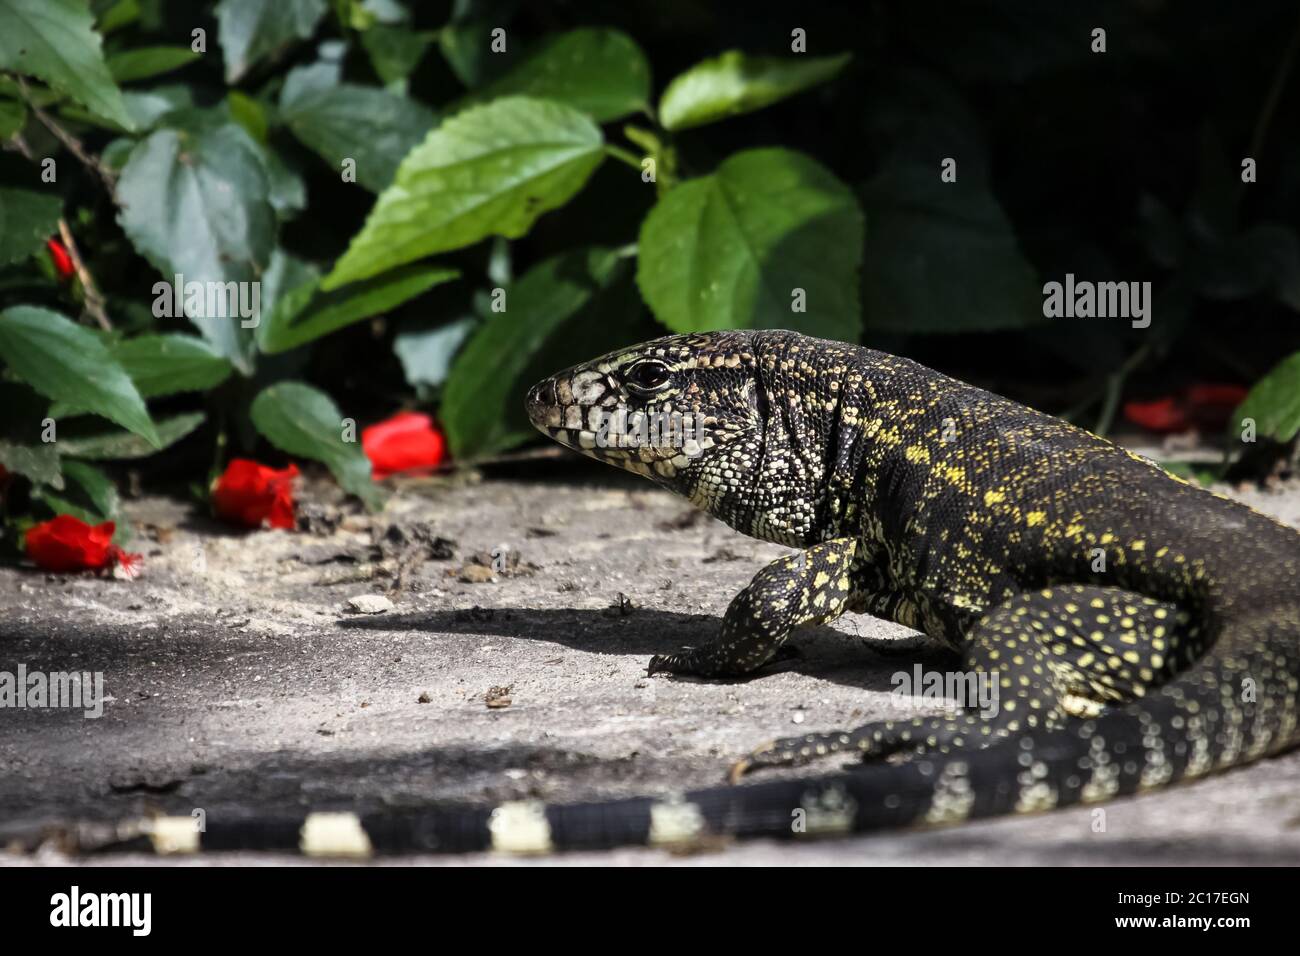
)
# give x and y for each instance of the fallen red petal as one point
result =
(249, 493)
(407, 442)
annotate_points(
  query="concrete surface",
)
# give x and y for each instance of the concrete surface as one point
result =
(237, 680)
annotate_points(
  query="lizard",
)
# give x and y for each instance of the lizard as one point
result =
(1138, 630)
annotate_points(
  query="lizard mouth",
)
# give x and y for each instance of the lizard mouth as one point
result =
(594, 424)
(564, 422)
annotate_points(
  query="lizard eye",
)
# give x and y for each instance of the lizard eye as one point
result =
(645, 378)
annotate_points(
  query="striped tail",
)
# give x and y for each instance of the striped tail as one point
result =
(1237, 704)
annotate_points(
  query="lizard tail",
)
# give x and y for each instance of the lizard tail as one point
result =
(1229, 709)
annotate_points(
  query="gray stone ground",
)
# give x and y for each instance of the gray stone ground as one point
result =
(239, 682)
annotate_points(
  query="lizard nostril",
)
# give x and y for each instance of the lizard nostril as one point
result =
(543, 393)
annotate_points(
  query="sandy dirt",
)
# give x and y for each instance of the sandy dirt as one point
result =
(238, 680)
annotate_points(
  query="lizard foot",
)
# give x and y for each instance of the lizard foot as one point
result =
(790, 752)
(870, 741)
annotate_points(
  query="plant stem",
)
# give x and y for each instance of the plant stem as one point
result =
(73, 145)
(94, 299)
(623, 155)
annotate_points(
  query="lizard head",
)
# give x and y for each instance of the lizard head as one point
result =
(670, 410)
(735, 421)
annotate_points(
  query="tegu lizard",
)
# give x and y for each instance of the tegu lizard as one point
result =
(1138, 630)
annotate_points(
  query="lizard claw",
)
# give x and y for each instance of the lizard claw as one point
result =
(745, 764)
(679, 663)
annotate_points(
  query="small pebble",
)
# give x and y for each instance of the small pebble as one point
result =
(369, 604)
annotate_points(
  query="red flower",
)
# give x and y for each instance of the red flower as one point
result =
(249, 494)
(66, 544)
(409, 441)
(62, 261)
(1198, 406)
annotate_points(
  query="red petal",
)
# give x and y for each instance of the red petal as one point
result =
(1160, 415)
(65, 543)
(249, 493)
(62, 260)
(409, 441)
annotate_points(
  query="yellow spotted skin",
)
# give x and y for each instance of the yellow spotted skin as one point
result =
(1139, 631)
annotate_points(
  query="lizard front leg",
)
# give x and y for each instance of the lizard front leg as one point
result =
(811, 587)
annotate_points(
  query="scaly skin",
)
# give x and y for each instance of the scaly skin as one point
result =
(1139, 630)
(1089, 581)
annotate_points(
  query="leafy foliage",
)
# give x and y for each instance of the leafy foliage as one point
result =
(293, 214)
(735, 249)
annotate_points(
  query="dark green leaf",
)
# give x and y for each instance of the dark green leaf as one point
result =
(197, 204)
(301, 420)
(466, 41)
(167, 364)
(253, 29)
(147, 107)
(735, 83)
(371, 126)
(482, 397)
(55, 41)
(426, 354)
(120, 14)
(491, 170)
(601, 72)
(943, 257)
(737, 248)
(144, 62)
(1274, 403)
(70, 364)
(395, 52)
(111, 444)
(303, 319)
(248, 113)
(39, 464)
(27, 219)
(13, 117)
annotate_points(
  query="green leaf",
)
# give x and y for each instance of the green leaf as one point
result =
(198, 203)
(395, 52)
(482, 397)
(253, 29)
(120, 14)
(149, 106)
(426, 354)
(731, 250)
(248, 113)
(27, 219)
(70, 364)
(371, 126)
(302, 420)
(37, 463)
(304, 317)
(90, 495)
(736, 83)
(13, 117)
(144, 62)
(326, 73)
(55, 41)
(491, 170)
(601, 72)
(467, 40)
(111, 444)
(167, 364)
(1274, 403)
(943, 257)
